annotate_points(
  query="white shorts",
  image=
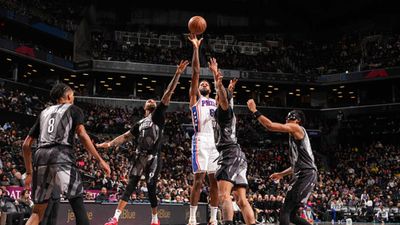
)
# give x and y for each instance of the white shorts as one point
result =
(204, 154)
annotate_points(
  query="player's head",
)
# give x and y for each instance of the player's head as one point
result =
(150, 105)
(296, 116)
(62, 93)
(204, 88)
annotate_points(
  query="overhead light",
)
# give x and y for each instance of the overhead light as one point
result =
(270, 86)
(122, 76)
(235, 92)
(118, 84)
(82, 85)
(139, 90)
(177, 83)
(85, 74)
(106, 85)
(29, 73)
(34, 70)
(151, 89)
(71, 83)
(275, 89)
(342, 86)
(148, 87)
(351, 92)
(144, 78)
(290, 93)
(102, 81)
(257, 85)
(66, 79)
(335, 89)
(73, 75)
(266, 96)
(347, 71)
(29, 65)
(183, 88)
(190, 81)
(339, 92)
(153, 81)
(244, 87)
(298, 95)
(8, 59)
(340, 96)
(312, 89)
(247, 90)
(110, 78)
(110, 89)
(297, 90)
(269, 92)
(24, 75)
(51, 69)
(139, 84)
(353, 97)
(76, 87)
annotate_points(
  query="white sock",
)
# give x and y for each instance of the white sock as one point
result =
(154, 218)
(117, 214)
(193, 211)
(213, 213)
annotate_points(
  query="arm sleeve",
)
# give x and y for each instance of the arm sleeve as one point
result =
(135, 130)
(77, 115)
(35, 130)
(158, 115)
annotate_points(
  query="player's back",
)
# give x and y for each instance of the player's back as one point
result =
(203, 116)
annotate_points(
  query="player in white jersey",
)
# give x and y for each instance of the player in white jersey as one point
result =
(204, 152)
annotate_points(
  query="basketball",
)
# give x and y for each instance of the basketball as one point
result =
(197, 25)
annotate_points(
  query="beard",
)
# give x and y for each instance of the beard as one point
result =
(204, 92)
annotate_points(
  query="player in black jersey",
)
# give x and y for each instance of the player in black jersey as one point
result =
(148, 133)
(303, 168)
(54, 166)
(232, 164)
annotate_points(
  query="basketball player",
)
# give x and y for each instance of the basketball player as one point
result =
(232, 165)
(148, 133)
(204, 152)
(54, 166)
(303, 169)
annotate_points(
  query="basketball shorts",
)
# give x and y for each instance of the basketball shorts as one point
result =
(232, 166)
(204, 154)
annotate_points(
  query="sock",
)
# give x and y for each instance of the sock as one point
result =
(154, 218)
(117, 214)
(193, 211)
(213, 213)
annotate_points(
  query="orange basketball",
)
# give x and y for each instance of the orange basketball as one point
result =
(197, 25)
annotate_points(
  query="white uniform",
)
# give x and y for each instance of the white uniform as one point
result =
(204, 152)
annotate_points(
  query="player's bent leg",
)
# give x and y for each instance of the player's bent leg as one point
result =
(244, 205)
(37, 214)
(79, 210)
(225, 201)
(152, 186)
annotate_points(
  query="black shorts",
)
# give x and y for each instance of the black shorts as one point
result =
(147, 165)
(301, 187)
(232, 166)
(62, 178)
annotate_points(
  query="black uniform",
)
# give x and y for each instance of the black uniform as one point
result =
(148, 132)
(303, 181)
(232, 164)
(54, 165)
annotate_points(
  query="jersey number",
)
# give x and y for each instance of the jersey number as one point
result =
(50, 127)
(212, 112)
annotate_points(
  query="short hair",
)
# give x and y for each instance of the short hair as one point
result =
(297, 115)
(59, 90)
(209, 84)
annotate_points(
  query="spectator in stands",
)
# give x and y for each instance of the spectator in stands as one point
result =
(103, 196)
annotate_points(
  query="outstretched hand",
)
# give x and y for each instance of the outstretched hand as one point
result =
(182, 66)
(232, 84)
(196, 42)
(251, 105)
(213, 65)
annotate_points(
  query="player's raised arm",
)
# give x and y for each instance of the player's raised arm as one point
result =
(221, 92)
(172, 85)
(116, 141)
(292, 128)
(194, 86)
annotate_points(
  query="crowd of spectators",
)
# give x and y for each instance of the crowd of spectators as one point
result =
(312, 57)
(364, 177)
